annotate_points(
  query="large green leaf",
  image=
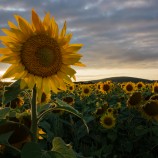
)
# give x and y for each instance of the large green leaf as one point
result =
(61, 150)
(66, 107)
(11, 92)
(31, 150)
(61, 105)
(141, 130)
(4, 137)
(4, 112)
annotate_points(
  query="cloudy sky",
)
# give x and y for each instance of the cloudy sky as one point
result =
(120, 37)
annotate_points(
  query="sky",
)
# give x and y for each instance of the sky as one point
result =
(120, 37)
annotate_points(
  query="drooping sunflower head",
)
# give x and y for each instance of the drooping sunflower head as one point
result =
(69, 100)
(108, 121)
(155, 87)
(15, 103)
(40, 55)
(154, 97)
(134, 100)
(150, 109)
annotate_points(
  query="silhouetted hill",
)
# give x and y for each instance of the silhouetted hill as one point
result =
(121, 79)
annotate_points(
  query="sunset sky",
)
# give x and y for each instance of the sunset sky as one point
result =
(120, 37)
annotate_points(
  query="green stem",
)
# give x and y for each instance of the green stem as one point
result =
(3, 98)
(34, 116)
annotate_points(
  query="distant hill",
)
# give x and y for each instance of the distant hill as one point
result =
(121, 79)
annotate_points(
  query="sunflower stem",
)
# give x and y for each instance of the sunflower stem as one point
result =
(34, 116)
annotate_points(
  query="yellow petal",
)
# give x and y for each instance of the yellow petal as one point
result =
(37, 22)
(74, 77)
(68, 70)
(20, 75)
(10, 72)
(45, 85)
(9, 59)
(62, 84)
(70, 61)
(79, 64)
(12, 25)
(55, 79)
(63, 31)
(23, 84)
(53, 86)
(24, 26)
(31, 81)
(40, 137)
(65, 40)
(40, 131)
(38, 82)
(5, 51)
(64, 76)
(73, 47)
(56, 31)
(46, 20)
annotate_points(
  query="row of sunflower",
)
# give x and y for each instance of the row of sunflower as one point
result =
(114, 116)
(121, 117)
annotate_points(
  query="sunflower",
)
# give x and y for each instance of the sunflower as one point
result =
(106, 87)
(154, 97)
(108, 121)
(150, 109)
(129, 87)
(40, 55)
(86, 90)
(98, 86)
(134, 100)
(69, 100)
(155, 87)
(70, 88)
(140, 85)
(15, 103)
(110, 110)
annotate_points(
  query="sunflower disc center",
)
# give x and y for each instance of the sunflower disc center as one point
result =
(41, 55)
(46, 56)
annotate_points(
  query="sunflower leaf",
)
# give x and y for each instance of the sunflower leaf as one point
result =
(61, 149)
(61, 105)
(31, 150)
(11, 92)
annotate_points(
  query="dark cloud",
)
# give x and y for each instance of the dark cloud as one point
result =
(115, 33)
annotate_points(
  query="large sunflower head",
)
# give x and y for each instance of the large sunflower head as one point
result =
(40, 55)
(150, 109)
(134, 100)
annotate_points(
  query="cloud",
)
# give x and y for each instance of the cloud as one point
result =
(115, 34)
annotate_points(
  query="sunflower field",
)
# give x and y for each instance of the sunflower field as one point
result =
(97, 120)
